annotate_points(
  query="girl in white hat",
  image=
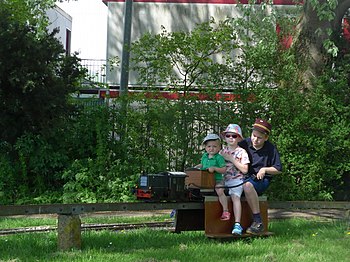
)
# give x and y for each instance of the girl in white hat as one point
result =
(237, 161)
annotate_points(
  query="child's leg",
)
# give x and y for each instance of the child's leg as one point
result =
(237, 211)
(235, 194)
(222, 198)
(237, 208)
(223, 201)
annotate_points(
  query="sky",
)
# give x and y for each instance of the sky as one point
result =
(89, 27)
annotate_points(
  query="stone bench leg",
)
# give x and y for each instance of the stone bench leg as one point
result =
(69, 232)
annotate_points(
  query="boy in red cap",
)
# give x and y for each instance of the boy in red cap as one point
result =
(264, 162)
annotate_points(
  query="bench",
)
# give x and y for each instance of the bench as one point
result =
(215, 228)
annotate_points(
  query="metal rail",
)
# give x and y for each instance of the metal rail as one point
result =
(309, 204)
(76, 209)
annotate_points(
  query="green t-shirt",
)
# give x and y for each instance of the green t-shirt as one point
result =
(217, 160)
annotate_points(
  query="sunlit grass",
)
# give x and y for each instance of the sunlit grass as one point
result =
(15, 222)
(295, 240)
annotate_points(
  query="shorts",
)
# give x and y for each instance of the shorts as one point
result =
(259, 185)
(237, 191)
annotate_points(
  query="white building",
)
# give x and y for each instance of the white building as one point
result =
(174, 15)
(63, 22)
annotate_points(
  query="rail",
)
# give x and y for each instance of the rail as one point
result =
(309, 204)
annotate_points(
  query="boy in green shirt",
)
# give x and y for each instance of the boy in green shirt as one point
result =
(211, 159)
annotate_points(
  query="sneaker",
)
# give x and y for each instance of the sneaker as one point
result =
(255, 229)
(225, 216)
(237, 229)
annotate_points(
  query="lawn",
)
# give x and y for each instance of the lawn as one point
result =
(294, 240)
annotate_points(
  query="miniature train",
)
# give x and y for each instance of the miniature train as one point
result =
(197, 185)
(191, 185)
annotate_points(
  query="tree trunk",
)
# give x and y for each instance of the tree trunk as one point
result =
(309, 44)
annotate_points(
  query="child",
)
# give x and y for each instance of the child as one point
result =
(211, 159)
(266, 162)
(237, 161)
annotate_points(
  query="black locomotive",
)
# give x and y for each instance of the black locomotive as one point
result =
(172, 186)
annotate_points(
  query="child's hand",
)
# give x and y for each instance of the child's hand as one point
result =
(211, 169)
(226, 155)
(261, 174)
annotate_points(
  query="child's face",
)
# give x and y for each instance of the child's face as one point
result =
(258, 139)
(212, 147)
(232, 138)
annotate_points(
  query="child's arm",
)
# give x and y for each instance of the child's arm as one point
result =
(237, 162)
(213, 169)
(241, 167)
(198, 166)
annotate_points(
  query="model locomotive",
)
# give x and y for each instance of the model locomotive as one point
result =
(190, 185)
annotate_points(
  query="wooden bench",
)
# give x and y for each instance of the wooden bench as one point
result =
(216, 228)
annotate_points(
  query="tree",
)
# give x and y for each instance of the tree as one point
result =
(36, 83)
(35, 80)
(308, 127)
(317, 34)
(184, 61)
(29, 12)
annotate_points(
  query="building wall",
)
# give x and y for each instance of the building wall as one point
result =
(63, 21)
(150, 15)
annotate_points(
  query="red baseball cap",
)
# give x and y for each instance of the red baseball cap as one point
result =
(262, 126)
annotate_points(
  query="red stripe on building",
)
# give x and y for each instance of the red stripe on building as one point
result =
(227, 2)
(114, 93)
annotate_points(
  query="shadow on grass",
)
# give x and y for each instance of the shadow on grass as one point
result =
(43, 247)
(148, 238)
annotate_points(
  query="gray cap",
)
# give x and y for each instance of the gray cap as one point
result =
(211, 137)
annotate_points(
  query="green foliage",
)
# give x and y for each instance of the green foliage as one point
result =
(238, 70)
(28, 12)
(311, 131)
(103, 169)
(35, 80)
(35, 83)
(182, 59)
(306, 126)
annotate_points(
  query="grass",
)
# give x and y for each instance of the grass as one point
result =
(293, 240)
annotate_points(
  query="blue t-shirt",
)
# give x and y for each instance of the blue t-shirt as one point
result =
(267, 156)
